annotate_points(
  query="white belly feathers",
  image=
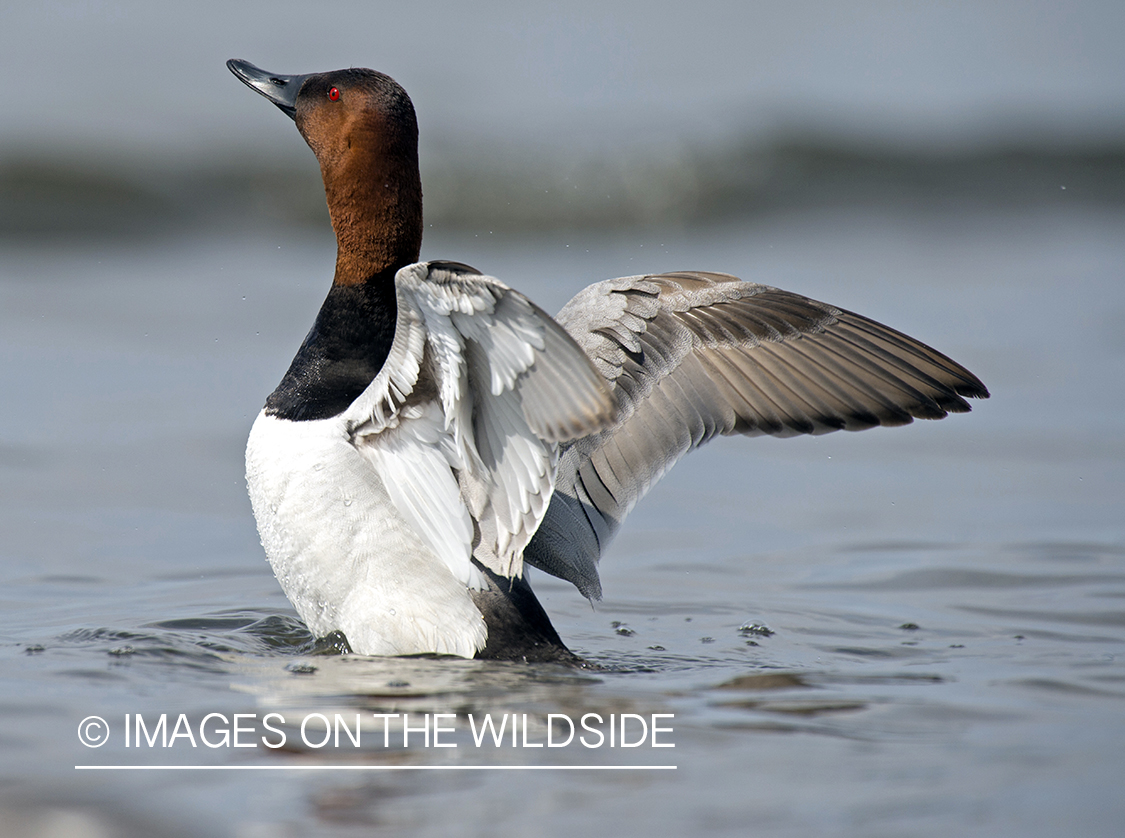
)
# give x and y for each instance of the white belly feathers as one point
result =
(345, 556)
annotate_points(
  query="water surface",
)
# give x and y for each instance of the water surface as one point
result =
(912, 631)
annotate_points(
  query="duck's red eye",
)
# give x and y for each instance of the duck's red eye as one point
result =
(333, 93)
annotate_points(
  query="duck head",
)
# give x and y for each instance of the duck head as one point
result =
(361, 126)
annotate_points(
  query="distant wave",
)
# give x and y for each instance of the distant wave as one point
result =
(536, 189)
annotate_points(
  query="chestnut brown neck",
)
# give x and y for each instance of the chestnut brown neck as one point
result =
(374, 196)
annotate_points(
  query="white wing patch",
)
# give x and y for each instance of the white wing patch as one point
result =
(507, 340)
(416, 462)
(466, 464)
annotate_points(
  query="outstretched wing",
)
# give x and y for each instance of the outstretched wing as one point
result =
(693, 355)
(463, 421)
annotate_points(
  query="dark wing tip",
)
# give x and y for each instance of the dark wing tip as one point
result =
(973, 389)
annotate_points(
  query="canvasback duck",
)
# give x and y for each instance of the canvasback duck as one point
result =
(437, 431)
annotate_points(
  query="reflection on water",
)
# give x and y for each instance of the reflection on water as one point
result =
(916, 631)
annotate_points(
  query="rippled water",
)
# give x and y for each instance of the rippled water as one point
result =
(916, 631)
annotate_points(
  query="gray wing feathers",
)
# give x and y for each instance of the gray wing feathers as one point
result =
(564, 397)
(521, 385)
(695, 355)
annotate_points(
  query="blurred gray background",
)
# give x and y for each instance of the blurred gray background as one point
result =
(119, 117)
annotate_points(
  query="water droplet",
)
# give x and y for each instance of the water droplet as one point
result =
(393, 612)
(755, 628)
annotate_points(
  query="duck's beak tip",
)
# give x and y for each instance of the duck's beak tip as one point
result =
(279, 89)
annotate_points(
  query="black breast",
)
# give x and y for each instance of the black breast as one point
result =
(345, 349)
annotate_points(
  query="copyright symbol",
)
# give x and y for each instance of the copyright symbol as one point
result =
(93, 732)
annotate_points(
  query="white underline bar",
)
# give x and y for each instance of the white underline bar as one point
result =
(376, 767)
